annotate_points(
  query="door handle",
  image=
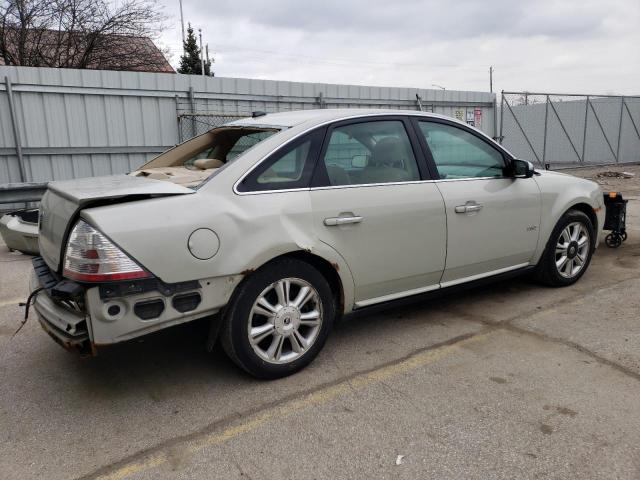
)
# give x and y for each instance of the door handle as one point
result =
(334, 221)
(468, 207)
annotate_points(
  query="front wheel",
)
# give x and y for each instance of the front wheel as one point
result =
(279, 319)
(568, 251)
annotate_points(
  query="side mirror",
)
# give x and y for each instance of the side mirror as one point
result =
(523, 168)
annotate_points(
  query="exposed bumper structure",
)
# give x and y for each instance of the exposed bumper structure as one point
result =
(84, 317)
(69, 327)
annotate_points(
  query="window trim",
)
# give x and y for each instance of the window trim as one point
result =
(320, 179)
(250, 177)
(433, 168)
(424, 159)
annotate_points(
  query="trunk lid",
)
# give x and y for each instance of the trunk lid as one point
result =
(63, 200)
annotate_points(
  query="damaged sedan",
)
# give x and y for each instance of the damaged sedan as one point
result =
(273, 226)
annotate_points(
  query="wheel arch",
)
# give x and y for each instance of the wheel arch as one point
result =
(330, 270)
(587, 210)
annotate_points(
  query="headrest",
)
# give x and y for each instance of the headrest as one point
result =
(207, 163)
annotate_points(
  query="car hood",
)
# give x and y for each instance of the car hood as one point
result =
(63, 201)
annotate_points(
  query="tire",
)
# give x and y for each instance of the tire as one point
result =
(285, 338)
(614, 240)
(551, 269)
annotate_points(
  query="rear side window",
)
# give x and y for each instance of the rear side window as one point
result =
(458, 153)
(289, 167)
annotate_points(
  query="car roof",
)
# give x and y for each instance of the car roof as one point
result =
(319, 116)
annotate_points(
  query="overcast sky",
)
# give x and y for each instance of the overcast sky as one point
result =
(564, 46)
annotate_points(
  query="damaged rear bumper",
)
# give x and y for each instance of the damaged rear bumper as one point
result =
(83, 317)
(64, 321)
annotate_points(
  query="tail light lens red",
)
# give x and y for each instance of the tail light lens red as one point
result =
(92, 257)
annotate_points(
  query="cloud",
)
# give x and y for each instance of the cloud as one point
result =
(573, 45)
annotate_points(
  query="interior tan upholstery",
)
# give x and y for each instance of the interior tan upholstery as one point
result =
(180, 175)
(207, 163)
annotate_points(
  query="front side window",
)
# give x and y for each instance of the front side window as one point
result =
(370, 152)
(458, 153)
(290, 167)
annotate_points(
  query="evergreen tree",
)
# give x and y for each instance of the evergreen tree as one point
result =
(190, 59)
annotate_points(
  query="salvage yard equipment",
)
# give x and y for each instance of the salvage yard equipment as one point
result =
(615, 219)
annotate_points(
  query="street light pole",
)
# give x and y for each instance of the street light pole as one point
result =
(182, 24)
(491, 78)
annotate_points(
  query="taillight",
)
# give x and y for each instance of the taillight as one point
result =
(92, 257)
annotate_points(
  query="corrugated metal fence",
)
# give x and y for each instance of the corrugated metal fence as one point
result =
(62, 123)
(571, 130)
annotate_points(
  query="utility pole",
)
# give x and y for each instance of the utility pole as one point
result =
(201, 52)
(491, 78)
(182, 25)
(206, 48)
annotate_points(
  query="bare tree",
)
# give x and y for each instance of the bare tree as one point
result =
(95, 34)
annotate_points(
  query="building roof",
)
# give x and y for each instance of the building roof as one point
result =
(62, 49)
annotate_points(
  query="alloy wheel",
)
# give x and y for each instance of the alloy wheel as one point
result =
(572, 249)
(285, 320)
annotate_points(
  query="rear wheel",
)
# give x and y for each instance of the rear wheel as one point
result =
(278, 319)
(568, 251)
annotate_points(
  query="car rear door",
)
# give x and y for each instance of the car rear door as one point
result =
(493, 218)
(373, 203)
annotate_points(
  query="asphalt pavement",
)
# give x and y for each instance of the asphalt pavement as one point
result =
(513, 380)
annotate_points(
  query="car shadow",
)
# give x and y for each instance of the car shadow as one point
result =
(177, 356)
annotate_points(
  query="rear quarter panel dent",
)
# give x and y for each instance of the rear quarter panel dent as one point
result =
(253, 229)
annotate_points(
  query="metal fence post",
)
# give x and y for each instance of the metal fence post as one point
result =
(501, 116)
(619, 130)
(178, 119)
(320, 100)
(16, 129)
(495, 117)
(544, 135)
(192, 105)
(584, 134)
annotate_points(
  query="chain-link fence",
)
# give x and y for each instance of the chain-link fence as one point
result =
(200, 112)
(570, 130)
(193, 124)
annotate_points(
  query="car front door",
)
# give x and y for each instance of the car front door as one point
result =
(374, 204)
(493, 218)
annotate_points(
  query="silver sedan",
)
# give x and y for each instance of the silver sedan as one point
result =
(274, 226)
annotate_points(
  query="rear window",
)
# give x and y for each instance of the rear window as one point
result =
(230, 145)
(194, 161)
